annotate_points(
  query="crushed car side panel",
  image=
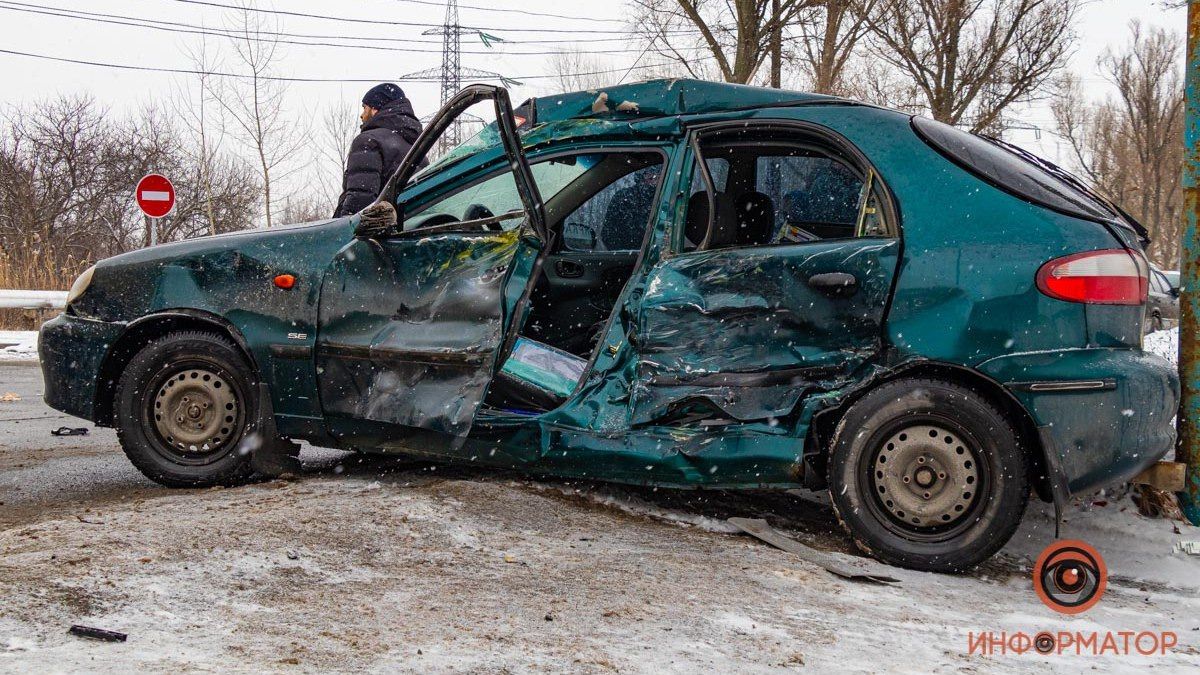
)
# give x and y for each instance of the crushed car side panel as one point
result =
(743, 329)
(410, 327)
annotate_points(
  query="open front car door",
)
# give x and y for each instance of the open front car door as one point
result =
(414, 318)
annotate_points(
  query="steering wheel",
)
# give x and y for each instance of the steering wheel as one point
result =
(479, 211)
(439, 219)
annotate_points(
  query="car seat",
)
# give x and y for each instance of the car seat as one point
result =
(755, 216)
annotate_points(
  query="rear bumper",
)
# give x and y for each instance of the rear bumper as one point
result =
(72, 351)
(1103, 415)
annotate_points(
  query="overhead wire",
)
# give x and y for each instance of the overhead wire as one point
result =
(281, 78)
(192, 29)
(509, 10)
(384, 22)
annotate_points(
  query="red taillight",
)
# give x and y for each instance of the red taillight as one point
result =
(1110, 277)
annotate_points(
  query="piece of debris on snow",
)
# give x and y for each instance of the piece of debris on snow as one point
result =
(759, 528)
(69, 431)
(1188, 547)
(9, 397)
(97, 634)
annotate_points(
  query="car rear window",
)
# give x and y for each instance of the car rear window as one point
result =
(1010, 171)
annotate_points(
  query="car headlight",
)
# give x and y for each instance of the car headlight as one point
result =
(81, 284)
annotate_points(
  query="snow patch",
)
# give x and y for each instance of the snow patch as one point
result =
(1164, 343)
(18, 345)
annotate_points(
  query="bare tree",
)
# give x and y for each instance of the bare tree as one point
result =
(830, 33)
(195, 105)
(575, 70)
(67, 174)
(1129, 145)
(339, 126)
(973, 59)
(256, 104)
(735, 34)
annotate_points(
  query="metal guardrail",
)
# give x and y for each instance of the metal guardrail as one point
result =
(18, 299)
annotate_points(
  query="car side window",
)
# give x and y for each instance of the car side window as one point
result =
(780, 187)
(487, 198)
(615, 218)
(1160, 283)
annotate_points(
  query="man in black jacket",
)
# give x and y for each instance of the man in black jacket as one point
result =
(388, 131)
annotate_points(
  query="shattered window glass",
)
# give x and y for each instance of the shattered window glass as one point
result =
(814, 196)
(615, 217)
(776, 186)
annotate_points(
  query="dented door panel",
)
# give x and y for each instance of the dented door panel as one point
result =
(411, 326)
(743, 329)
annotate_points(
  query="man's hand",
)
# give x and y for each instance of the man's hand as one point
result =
(378, 221)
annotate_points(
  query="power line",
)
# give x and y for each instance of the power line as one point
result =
(515, 11)
(85, 15)
(280, 78)
(183, 28)
(381, 22)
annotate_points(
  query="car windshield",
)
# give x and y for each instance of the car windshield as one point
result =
(487, 137)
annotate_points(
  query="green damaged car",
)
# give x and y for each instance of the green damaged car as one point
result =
(674, 283)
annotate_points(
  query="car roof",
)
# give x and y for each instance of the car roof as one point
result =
(665, 97)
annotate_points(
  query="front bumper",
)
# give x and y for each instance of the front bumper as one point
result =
(1095, 436)
(72, 351)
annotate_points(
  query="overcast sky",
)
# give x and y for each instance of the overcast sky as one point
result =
(1104, 23)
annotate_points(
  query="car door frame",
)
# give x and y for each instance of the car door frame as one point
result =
(366, 431)
(509, 139)
(673, 250)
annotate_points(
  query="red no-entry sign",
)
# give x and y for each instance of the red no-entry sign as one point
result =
(155, 195)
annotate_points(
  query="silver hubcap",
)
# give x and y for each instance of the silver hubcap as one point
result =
(926, 476)
(196, 411)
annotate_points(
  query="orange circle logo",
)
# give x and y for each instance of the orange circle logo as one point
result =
(1070, 576)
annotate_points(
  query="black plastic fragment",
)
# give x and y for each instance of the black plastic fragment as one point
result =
(97, 634)
(70, 431)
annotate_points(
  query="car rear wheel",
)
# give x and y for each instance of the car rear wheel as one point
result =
(929, 475)
(184, 407)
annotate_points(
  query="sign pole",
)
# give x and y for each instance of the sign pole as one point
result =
(1188, 449)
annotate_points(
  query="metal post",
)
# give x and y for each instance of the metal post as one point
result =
(1188, 450)
(151, 231)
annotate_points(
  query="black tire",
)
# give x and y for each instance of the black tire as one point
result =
(967, 486)
(188, 359)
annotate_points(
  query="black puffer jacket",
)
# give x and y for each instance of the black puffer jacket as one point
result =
(375, 155)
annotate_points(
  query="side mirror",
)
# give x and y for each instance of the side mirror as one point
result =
(579, 237)
(377, 221)
(1174, 292)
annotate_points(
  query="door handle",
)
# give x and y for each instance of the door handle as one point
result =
(568, 269)
(834, 284)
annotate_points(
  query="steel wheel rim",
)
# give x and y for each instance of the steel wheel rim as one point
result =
(954, 473)
(196, 413)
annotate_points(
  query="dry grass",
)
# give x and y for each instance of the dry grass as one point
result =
(25, 267)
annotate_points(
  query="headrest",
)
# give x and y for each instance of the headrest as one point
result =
(755, 215)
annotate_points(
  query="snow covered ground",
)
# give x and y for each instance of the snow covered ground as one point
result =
(382, 565)
(422, 570)
(1164, 343)
(18, 345)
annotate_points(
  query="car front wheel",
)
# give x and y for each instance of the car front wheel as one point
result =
(184, 408)
(929, 475)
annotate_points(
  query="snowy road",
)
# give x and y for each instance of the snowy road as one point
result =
(384, 565)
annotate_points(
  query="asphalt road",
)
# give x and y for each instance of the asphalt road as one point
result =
(42, 474)
(39, 471)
